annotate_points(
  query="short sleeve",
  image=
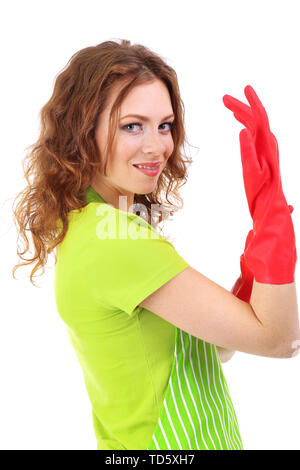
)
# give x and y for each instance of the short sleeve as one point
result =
(131, 260)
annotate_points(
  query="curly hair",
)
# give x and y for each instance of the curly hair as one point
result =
(62, 162)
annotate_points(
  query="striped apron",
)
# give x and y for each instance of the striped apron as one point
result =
(197, 411)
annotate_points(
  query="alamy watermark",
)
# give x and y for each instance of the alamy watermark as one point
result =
(127, 224)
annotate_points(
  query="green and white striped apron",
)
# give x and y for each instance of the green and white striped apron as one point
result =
(197, 411)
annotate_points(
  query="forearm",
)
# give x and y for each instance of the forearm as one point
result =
(275, 306)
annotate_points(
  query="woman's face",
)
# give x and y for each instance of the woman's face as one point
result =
(138, 140)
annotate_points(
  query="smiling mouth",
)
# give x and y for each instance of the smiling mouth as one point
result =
(147, 170)
(149, 167)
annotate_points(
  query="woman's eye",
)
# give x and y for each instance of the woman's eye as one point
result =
(170, 124)
(127, 126)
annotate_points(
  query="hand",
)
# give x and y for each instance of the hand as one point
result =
(262, 142)
(271, 253)
(258, 145)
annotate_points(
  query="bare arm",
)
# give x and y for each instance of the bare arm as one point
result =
(277, 310)
(199, 306)
(282, 301)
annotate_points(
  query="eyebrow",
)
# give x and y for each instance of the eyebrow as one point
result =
(145, 117)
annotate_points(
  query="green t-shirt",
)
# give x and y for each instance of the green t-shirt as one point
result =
(109, 261)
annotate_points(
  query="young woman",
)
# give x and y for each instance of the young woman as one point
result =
(148, 329)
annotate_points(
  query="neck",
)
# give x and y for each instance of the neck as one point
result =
(117, 197)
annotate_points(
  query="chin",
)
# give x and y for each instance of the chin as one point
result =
(147, 190)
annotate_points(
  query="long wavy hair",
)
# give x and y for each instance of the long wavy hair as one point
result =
(61, 164)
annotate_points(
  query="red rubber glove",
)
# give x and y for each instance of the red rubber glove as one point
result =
(242, 287)
(270, 251)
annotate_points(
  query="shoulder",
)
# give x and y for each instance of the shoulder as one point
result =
(102, 224)
(115, 224)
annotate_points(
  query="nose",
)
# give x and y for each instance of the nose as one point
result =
(154, 142)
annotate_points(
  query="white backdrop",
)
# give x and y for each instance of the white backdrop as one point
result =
(216, 48)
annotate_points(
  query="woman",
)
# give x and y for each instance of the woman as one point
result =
(148, 328)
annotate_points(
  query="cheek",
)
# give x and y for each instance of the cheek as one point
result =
(127, 147)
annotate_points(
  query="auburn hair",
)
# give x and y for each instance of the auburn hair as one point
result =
(60, 165)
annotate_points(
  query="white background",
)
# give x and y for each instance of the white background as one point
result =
(216, 48)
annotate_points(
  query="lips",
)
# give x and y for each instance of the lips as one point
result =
(153, 171)
(153, 164)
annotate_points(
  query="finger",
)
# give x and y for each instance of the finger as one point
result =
(247, 122)
(237, 106)
(257, 107)
(263, 132)
(242, 112)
